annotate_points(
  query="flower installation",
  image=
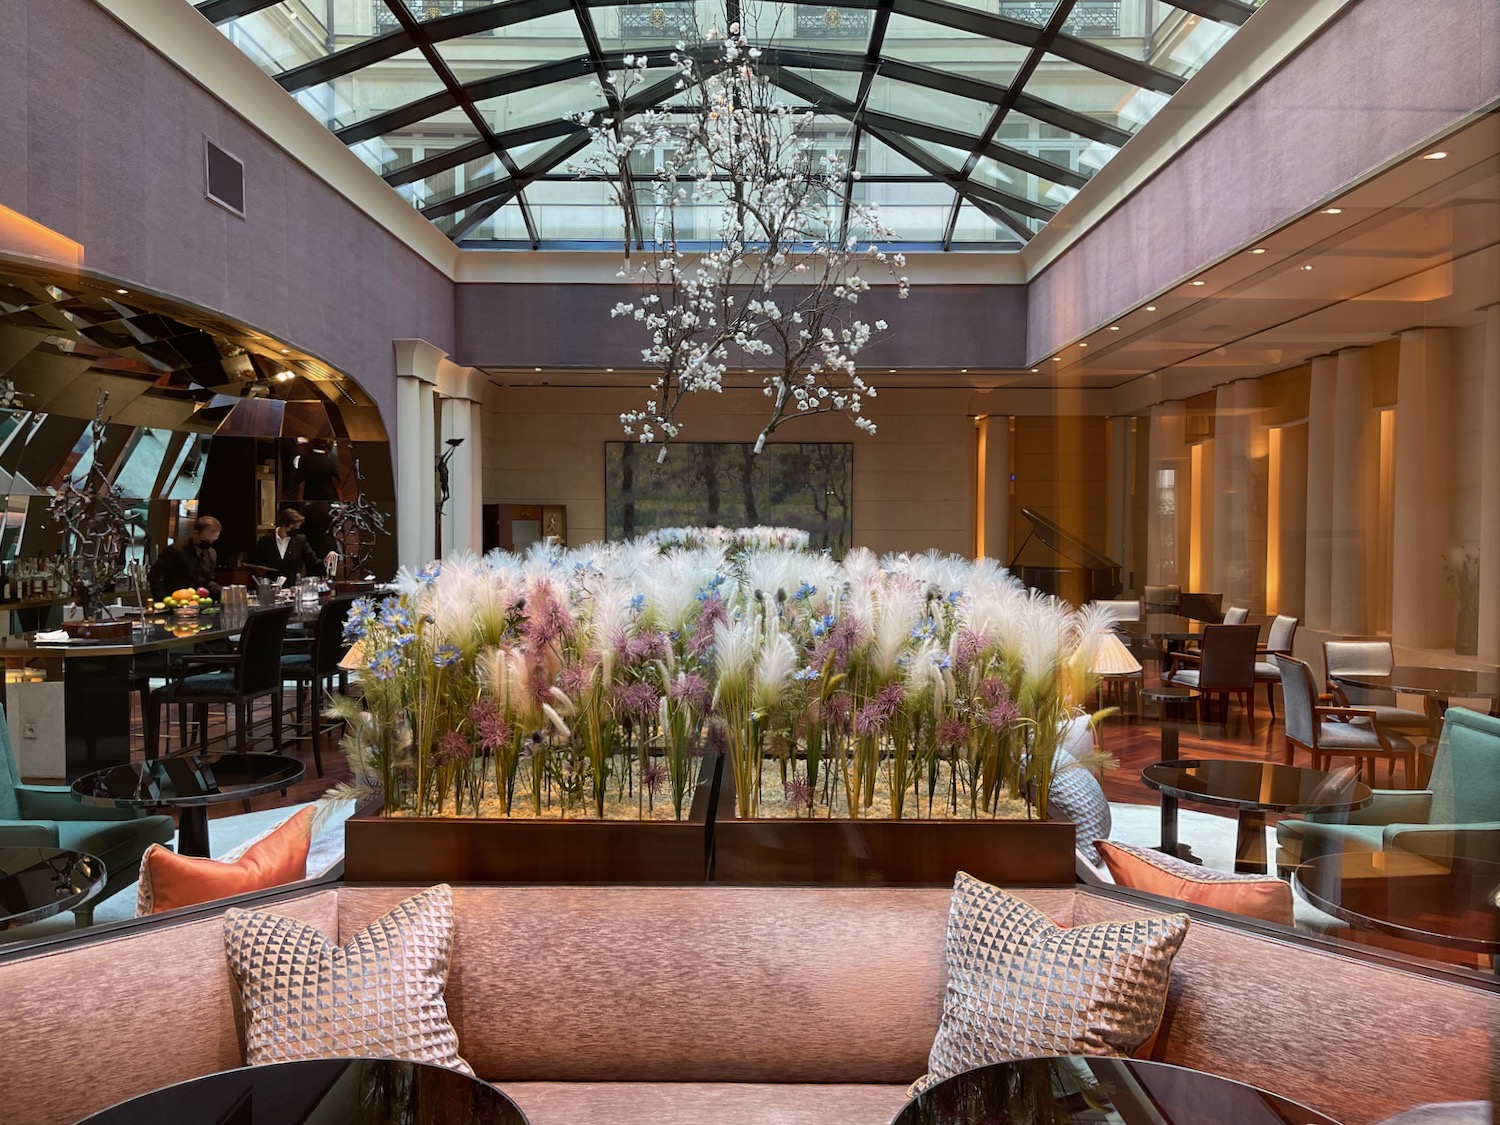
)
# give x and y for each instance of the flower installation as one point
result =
(753, 239)
(598, 681)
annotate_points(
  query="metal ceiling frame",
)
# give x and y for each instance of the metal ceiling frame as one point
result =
(897, 133)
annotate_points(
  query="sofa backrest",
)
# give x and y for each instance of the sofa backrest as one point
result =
(704, 983)
(1353, 1038)
(93, 1023)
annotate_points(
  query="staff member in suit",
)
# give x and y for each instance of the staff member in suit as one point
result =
(286, 550)
(190, 561)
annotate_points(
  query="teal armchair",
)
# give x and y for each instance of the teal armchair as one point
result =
(48, 816)
(1457, 814)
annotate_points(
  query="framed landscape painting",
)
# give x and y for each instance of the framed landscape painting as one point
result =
(808, 485)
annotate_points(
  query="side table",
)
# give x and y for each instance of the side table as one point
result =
(36, 883)
(1171, 700)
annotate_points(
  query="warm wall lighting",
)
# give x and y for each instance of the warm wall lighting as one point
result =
(286, 351)
(1057, 359)
(123, 292)
(1307, 269)
(27, 236)
(1439, 155)
(1083, 345)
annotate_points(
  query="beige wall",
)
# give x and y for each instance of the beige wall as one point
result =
(914, 481)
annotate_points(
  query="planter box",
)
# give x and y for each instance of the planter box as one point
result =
(887, 852)
(381, 849)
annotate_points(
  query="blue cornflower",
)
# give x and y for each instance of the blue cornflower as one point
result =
(430, 571)
(805, 674)
(638, 603)
(805, 591)
(955, 596)
(924, 629)
(394, 615)
(446, 655)
(940, 660)
(384, 666)
(401, 640)
(822, 625)
(361, 616)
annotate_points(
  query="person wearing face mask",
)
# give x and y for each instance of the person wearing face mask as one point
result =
(286, 551)
(189, 562)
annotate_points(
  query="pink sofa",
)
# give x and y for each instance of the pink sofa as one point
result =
(745, 1006)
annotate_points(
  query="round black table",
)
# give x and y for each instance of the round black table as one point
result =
(1171, 700)
(188, 783)
(1080, 1089)
(1254, 789)
(328, 1091)
(36, 883)
(1438, 900)
(1435, 685)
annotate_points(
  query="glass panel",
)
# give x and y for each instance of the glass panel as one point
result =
(1035, 12)
(454, 181)
(878, 159)
(1038, 138)
(1163, 35)
(917, 212)
(505, 225)
(543, 103)
(286, 35)
(820, 26)
(919, 103)
(395, 151)
(950, 158)
(569, 209)
(973, 56)
(425, 10)
(975, 226)
(1097, 95)
(506, 49)
(626, 26)
(366, 93)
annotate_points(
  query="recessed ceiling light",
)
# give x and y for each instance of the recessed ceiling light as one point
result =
(1439, 155)
(286, 351)
(1259, 250)
(963, 370)
(1307, 269)
(536, 368)
(1333, 210)
(1114, 327)
(1083, 345)
(1036, 370)
(890, 370)
(609, 369)
(1057, 359)
(122, 292)
(1200, 283)
(1150, 308)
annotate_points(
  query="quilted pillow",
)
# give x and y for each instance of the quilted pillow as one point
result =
(378, 996)
(169, 880)
(1076, 795)
(1145, 869)
(1020, 986)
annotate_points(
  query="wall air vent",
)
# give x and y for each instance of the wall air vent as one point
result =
(224, 178)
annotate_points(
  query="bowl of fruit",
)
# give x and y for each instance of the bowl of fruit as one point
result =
(186, 602)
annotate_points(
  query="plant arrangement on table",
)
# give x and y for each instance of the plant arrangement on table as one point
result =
(91, 511)
(596, 682)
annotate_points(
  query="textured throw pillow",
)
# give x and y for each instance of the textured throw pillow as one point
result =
(380, 995)
(169, 880)
(1076, 795)
(1020, 986)
(1145, 869)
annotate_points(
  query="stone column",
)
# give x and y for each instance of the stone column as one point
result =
(1121, 453)
(1290, 502)
(462, 419)
(1318, 572)
(1489, 513)
(418, 366)
(1355, 468)
(995, 434)
(1168, 497)
(1239, 506)
(1422, 613)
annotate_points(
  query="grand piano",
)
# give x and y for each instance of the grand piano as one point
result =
(1091, 577)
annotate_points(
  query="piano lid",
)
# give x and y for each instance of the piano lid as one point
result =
(1065, 543)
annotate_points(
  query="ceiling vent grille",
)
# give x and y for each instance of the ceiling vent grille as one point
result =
(224, 178)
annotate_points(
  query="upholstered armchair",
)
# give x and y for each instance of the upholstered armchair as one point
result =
(48, 816)
(1352, 658)
(1457, 814)
(1327, 731)
(1224, 665)
(1278, 643)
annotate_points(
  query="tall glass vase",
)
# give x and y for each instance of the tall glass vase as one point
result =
(1466, 631)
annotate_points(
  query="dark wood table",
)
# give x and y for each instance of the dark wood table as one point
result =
(1096, 1090)
(1253, 789)
(36, 883)
(98, 676)
(1435, 685)
(1173, 627)
(188, 783)
(1438, 900)
(1171, 700)
(327, 1091)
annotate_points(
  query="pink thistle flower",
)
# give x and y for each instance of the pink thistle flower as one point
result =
(574, 680)
(715, 740)
(547, 620)
(689, 688)
(637, 700)
(799, 793)
(1002, 713)
(836, 711)
(653, 777)
(713, 612)
(452, 748)
(952, 733)
(490, 726)
(966, 650)
(875, 715)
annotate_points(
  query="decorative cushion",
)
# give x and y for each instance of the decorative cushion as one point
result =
(169, 880)
(380, 995)
(1076, 795)
(1256, 896)
(1019, 986)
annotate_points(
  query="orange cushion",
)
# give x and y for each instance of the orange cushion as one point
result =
(169, 880)
(1144, 869)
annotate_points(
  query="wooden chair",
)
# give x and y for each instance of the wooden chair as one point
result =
(1224, 666)
(1371, 658)
(1201, 607)
(1326, 731)
(1278, 643)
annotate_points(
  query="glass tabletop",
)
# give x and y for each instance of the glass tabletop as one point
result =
(1421, 680)
(1446, 901)
(328, 1091)
(37, 883)
(1100, 1091)
(1257, 785)
(187, 779)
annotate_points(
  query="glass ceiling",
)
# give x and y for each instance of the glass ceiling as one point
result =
(971, 122)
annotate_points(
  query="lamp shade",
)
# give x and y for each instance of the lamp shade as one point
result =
(1112, 658)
